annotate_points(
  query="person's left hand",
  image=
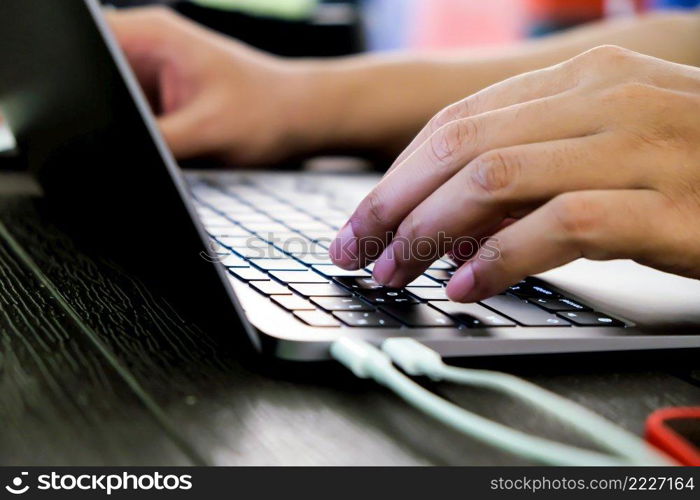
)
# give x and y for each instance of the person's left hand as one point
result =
(598, 157)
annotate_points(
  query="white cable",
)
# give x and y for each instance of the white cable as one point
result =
(366, 361)
(418, 360)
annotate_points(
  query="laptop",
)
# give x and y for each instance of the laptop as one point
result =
(246, 252)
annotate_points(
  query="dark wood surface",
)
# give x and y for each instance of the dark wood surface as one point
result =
(132, 383)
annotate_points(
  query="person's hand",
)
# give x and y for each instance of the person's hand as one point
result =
(597, 157)
(214, 96)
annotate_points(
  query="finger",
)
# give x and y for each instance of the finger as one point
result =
(144, 35)
(598, 225)
(463, 249)
(500, 184)
(143, 30)
(184, 132)
(552, 81)
(454, 146)
(142, 23)
(518, 89)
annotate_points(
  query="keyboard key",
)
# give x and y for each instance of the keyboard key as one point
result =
(215, 221)
(425, 282)
(528, 289)
(234, 210)
(309, 225)
(266, 227)
(320, 290)
(300, 246)
(321, 245)
(260, 252)
(227, 232)
(236, 241)
(558, 304)
(472, 315)
(317, 318)
(359, 283)
(335, 271)
(387, 296)
(293, 303)
(233, 261)
(279, 264)
(270, 288)
(248, 274)
(442, 265)
(298, 276)
(240, 241)
(326, 236)
(592, 318)
(214, 247)
(288, 235)
(418, 315)
(311, 201)
(203, 211)
(336, 222)
(429, 293)
(367, 319)
(341, 304)
(329, 212)
(285, 243)
(247, 217)
(292, 217)
(523, 312)
(274, 209)
(313, 258)
(440, 274)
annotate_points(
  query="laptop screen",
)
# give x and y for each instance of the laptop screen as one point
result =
(83, 125)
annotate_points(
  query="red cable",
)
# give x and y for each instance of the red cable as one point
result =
(668, 440)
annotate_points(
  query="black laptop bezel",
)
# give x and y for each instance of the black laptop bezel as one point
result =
(86, 131)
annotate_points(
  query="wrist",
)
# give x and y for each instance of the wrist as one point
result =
(306, 110)
(349, 105)
(317, 98)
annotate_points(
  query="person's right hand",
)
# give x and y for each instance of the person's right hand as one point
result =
(214, 96)
(595, 157)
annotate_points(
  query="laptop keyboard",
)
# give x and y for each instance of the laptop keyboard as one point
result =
(276, 240)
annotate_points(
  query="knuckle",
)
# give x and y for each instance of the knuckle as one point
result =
(450, 114)
(447, 142)
(373, 210)
(598, 62)
(566, 73)
(611, 51)
(494, 173)
(576, 216)
(411, 228)
(606, 53)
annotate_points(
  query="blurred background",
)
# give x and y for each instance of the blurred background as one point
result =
(336, 27)
(327, 28)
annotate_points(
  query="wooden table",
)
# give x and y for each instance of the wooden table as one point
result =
(151, 389)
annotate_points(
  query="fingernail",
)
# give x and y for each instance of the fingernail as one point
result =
(385, 267)
(462, 284)
(344, 249)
